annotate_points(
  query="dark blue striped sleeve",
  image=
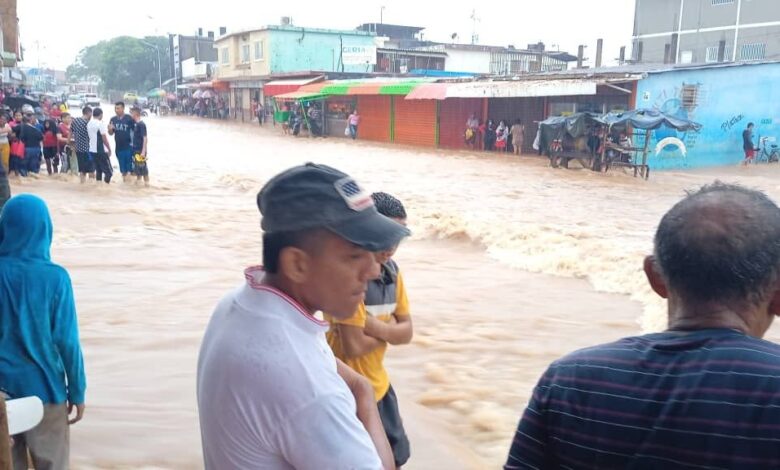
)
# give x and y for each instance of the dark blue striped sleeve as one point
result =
(530, 449)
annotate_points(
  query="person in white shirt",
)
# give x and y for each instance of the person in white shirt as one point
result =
(99, 149)
(271, 394)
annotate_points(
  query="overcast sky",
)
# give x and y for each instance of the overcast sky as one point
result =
(52, 31)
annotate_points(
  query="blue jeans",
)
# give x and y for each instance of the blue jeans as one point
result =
(353, 131)
(32, 157)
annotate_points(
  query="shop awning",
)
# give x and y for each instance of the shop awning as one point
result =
(503, 89)
(300, 96)
(278, 87)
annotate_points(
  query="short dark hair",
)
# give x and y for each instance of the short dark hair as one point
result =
(750, 124)
(120, 103)
(721, 243)
(97, 112)
(275, 242)
(135, 109)
(86, 110)
(64, 115)
(389, 206)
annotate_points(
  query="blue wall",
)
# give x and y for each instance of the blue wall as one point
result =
(729, 98)
(297, 50)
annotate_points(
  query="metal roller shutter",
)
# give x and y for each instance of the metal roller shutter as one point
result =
(453, 114)
(374, 113)
(415, 122)
(528, 110)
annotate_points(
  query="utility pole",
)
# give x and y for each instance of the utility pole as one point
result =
(382, 14)
(474, 20)
(159, 65)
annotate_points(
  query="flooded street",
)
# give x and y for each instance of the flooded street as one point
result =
(511, 265)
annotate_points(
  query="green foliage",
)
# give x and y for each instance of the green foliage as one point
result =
(123, 63)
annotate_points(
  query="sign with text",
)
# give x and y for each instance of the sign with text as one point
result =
(358, 55)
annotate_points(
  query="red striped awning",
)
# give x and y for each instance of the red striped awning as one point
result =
(429, 91)
(279, 87)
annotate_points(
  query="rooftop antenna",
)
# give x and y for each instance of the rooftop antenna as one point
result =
(474, 19)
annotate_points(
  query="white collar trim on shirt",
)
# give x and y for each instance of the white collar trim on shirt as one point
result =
(254, 278)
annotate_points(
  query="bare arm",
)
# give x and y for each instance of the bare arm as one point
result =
(105, 142)
(396, 332)
(146, 141)
(367, 412)
(355, 342)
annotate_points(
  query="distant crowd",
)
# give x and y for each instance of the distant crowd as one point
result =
(68, 145)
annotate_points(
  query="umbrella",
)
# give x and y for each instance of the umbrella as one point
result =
(207, 94)
(16, 102)
(198, 94)
(171, 97)
(157, 93)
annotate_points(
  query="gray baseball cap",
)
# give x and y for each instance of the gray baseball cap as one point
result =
(317, 196)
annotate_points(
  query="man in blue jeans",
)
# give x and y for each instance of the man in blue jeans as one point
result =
(32, 138)
(121, 127)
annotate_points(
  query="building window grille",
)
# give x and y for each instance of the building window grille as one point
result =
(712, 54)
(245, 54)
(690, 96)
(752, 51)
(716, 3)
(225, 56)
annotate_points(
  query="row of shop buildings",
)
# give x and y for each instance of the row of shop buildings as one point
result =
(432, 112)
(408, 91)
(11, 75)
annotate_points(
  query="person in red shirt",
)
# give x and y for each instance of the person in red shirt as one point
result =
(50, 146)
(55, 112)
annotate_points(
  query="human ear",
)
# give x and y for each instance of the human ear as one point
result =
(774, 302)
(654, 277)
(294, 264)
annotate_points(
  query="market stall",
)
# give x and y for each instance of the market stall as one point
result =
(646, 120)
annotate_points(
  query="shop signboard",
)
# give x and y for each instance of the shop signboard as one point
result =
(358, 55)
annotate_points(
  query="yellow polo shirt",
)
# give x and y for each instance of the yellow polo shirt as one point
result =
(382, 301)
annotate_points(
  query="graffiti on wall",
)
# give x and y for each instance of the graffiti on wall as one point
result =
(729, 123)
(670, 143)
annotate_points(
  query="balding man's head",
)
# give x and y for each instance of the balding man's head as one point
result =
(720, 244)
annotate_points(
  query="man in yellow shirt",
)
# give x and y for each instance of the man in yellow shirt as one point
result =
(381, 319)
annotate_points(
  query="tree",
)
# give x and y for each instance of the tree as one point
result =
(123, 63)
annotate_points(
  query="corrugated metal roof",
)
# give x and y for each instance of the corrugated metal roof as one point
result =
(504, 89)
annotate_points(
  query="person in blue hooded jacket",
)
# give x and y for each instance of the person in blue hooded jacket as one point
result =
(40, 353)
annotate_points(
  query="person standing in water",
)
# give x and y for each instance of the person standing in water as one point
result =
(140, 143)
(80, 132)
(354, 122)
(99, 148)
(40, 351)
(5, 144)
(382, 318)
(518, 137)
(121, 127)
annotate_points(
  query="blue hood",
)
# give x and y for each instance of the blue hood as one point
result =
(25, 229)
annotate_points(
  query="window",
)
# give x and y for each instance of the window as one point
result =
(245, 53)
(712, 54)
(259, 53)
(716, 3)
(686, 57)
(752, 52)
(689, 95)
(225, 53)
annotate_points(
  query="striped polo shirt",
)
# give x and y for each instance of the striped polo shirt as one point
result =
(708, 399)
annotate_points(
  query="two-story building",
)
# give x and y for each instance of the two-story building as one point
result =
(706, 31)
(10, 49)
(263, 62)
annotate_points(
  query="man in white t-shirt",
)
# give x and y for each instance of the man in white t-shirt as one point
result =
(99, 149)
(271, 394)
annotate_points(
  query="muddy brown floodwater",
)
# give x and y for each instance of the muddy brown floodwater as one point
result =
(512, 265)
